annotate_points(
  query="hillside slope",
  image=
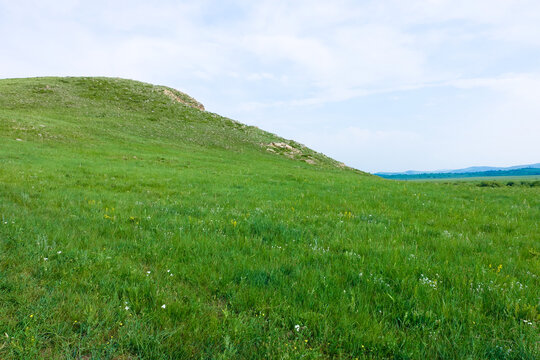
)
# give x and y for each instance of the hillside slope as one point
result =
(93, 111)
(135, 225)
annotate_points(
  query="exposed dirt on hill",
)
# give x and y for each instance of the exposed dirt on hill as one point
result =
(290, 152)
(185, 99)
(296, 151)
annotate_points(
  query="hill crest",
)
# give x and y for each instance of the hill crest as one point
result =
(88, 109)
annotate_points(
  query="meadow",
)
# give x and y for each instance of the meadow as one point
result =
(134, 226)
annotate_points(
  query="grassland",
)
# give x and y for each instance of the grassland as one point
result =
(137, 227)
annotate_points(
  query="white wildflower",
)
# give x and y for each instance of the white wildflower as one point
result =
(426, 281)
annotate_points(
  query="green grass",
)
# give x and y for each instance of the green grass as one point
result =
(115, 200)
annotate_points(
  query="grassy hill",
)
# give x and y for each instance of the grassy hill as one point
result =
(135, 225)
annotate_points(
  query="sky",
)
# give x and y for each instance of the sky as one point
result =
(381, 85)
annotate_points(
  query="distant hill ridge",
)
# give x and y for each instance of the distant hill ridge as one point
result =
(526, 171)
(472, 169)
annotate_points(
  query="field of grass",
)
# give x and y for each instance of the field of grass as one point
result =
(136, 227)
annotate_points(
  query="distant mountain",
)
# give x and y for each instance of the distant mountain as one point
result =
(491, 173)
(472, 169)
(490, 168)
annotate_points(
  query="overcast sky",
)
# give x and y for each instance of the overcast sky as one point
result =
(382, 85)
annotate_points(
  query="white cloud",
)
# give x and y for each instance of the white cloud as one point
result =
(258, 60)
